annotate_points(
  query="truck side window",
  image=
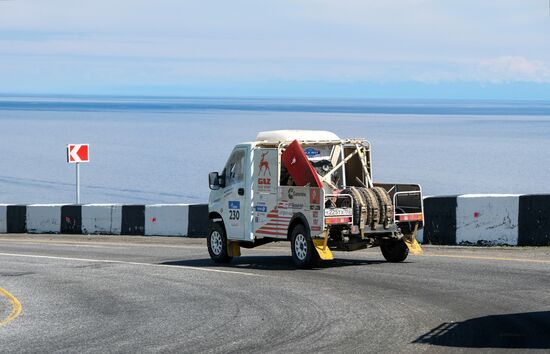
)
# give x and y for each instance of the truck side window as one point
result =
(234, 170)
(285, 179)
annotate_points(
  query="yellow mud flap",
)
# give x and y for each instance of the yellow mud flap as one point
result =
(413, 245)
(322, 249)
(233, 249)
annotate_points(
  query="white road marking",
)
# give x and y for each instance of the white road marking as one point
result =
(65, 244)
(489, 258)
(129, 263)
(97, 244)
(122, 245)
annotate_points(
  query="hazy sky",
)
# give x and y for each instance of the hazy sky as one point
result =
(340, 48)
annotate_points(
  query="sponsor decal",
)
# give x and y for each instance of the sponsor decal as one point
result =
(314, 196)
(261, 208)
(296, 206)
(264, 165)
(314, 199)
(234, 212)
(316, 228)
(264, 174)
(293, 193)
(311, 152)
(234, 204)
(285, 212)
(315, 217)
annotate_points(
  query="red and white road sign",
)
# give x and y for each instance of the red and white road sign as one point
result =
(78, 153)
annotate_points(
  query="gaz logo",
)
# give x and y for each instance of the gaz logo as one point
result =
(234, 204)
(264, 165)
(264, 180)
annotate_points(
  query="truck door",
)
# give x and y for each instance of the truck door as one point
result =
(265, 183)
(235, 209)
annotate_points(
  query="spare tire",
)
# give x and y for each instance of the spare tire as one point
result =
(345, 203)
(372, 205)
(386, 206)
(376, 203)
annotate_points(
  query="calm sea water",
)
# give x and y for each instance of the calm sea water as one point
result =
(159, 150)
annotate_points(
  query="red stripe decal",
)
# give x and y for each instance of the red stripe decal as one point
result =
(272, 228)
(270, 233)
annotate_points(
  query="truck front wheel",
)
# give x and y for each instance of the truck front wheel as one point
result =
(394, 250)
(217, 243)
(304, 254)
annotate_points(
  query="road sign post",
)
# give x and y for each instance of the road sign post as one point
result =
(77, 153)
(77, 183)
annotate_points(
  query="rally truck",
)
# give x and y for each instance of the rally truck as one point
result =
(315, 190)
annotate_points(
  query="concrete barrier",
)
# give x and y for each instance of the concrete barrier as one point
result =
(71, 219)
(198, 220)
(44, 218)
(3, 218)
(474, 219)
(167, 220)
(133, 220)
(534, 220)
(182, 220)
(487, 219)
(16, 219)
(440, 220)
(101, 219)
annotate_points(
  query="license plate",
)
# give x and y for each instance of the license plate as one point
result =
(338, 212)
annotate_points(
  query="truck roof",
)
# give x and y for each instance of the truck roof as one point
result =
(275, 136)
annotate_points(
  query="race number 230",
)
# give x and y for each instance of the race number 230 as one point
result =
(234, 215)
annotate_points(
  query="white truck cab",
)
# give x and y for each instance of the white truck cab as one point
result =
(255, 199)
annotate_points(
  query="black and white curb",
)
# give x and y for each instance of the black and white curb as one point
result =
(187, 220)
(487, 219)
(470, 219)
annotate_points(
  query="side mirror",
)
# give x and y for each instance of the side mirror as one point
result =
(214, 180)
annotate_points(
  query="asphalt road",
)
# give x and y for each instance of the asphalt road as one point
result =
(139, 294)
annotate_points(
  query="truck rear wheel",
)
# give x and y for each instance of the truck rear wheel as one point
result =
(304, 254)
(217, 243)
(394, 251)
